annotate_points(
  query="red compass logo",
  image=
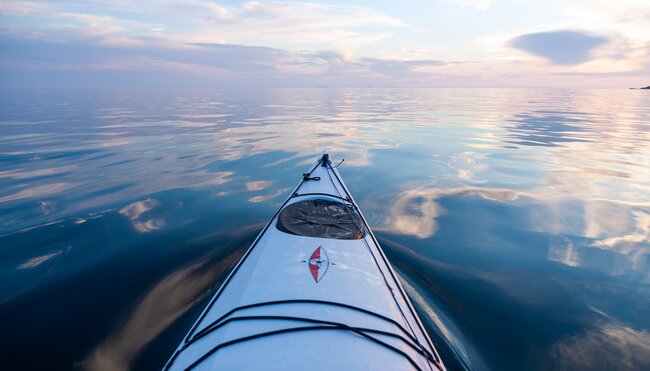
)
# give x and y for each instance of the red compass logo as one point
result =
(318, 263)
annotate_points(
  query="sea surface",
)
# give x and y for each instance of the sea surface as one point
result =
(517, 219)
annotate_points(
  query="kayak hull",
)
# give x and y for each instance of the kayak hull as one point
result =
(310, 302)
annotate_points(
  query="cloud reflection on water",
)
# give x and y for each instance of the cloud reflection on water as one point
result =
(257, 185)
(607, 347)
(37, 191)
(137, 210)
(35, 262)
(160, 307)
(414, 211)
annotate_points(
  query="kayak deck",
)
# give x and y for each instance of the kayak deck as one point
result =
(298, 301)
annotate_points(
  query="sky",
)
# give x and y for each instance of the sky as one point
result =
(381, 43)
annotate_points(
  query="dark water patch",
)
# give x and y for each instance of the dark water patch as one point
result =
(135, 298)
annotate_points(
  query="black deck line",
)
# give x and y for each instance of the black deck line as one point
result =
(296, 194)
(216, 323)
(311, 320)
(301, 329)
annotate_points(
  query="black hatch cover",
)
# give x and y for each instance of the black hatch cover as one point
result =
(321, 218)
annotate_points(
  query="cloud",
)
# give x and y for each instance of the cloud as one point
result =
(19, 8)
(296, 26)
(100, 59)
(393, 66)
(477, 4)
(560, 47)
(316, 44)
(286, 25)
(80, 53)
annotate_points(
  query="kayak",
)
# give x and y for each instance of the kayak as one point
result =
(313, 291)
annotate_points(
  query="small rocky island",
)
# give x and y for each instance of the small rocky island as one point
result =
(644, 88)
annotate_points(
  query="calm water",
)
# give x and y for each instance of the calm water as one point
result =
(519, 220)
